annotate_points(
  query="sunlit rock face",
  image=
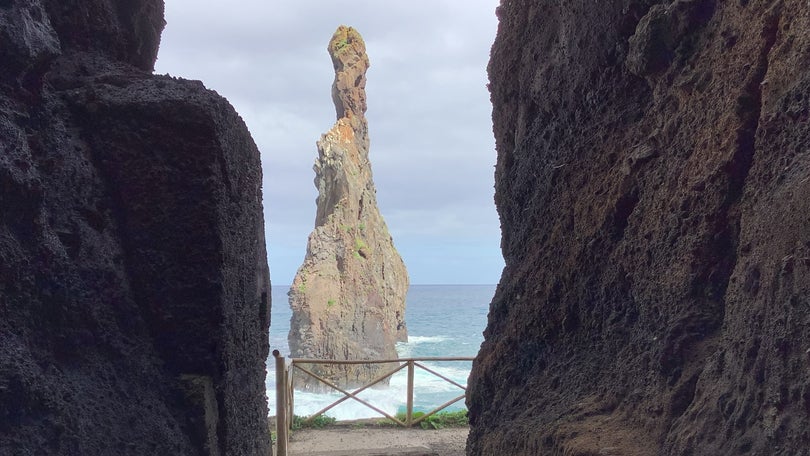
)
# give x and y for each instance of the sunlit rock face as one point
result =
(134, 289)
(348, 297)
(653, 185)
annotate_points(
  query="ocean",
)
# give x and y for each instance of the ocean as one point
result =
(443, 320)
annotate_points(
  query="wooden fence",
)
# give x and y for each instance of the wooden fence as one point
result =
(285, 396)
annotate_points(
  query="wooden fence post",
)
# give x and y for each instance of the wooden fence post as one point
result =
(409, 406)
(290, 386)
(281, 405)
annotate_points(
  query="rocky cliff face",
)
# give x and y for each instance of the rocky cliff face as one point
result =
(653, 184)
(348, 297)
(134, 290)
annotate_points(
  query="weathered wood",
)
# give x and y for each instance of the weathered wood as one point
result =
(290, 386)
(348, 394)
(379, 361)
(439, 408)
(282, 421)
(409, 407)
(409, 363)
(357, 391)
(441, 376)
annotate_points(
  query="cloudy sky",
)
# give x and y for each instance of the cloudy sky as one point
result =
(432, 150)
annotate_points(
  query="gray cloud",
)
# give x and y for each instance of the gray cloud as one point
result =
(432, 150)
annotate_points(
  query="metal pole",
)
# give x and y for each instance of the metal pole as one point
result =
(281, 405)
(409, 409)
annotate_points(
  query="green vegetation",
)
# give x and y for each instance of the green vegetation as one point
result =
(360, 248)
(340, 44)
(446, 419)
(320, 421)
(330, 303)
(442, 420)
(348, 228)
(439, 420)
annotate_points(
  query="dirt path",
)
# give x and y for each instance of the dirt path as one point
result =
(366, 441)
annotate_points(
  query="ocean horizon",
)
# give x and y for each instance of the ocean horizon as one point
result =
(443, 320)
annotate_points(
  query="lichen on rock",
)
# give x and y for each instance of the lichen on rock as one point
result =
(348, 297)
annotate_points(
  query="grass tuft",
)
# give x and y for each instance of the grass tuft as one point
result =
(438, 420)
(320, 421)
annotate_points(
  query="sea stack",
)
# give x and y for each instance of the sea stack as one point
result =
(348, 297)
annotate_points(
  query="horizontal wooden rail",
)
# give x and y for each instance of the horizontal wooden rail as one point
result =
(349, 395)
(380, 361)
(285, 389)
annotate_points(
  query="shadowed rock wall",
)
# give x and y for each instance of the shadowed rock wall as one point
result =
(653, 184)
(134, 289)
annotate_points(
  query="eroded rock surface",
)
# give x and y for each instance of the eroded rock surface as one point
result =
(653, 184)
(348, 297)
(134, 289)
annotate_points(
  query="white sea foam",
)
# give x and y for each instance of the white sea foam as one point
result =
(429, 391)
(444, 321)
(417, 345)
(413, 340)
(388, 400)
(425, 383)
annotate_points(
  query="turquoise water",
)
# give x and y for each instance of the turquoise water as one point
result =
(443, 320)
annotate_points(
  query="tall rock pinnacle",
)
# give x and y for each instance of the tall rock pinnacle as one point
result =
(348, 297)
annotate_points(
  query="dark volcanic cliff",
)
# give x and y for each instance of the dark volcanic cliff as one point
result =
(348, 297)
(134, 290)
(653, 184)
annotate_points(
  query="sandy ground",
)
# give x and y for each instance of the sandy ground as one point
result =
(366, 441)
